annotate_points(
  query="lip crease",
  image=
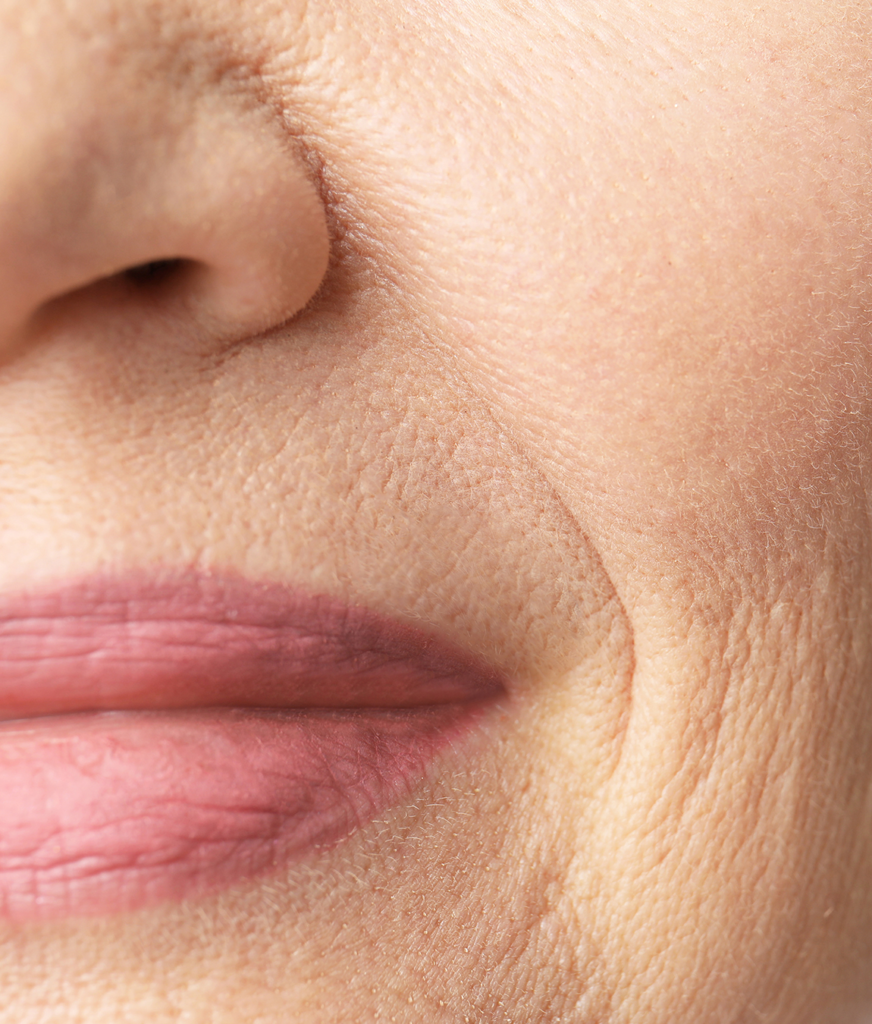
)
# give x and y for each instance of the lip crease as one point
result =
(162, 738)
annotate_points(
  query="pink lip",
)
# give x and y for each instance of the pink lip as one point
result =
(166, 738)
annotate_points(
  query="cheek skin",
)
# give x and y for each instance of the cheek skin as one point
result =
(691, 378)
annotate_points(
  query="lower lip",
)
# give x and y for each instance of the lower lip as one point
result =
(109, 812)
(117, 793)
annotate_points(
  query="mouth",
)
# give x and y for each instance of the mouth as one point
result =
(162, 739)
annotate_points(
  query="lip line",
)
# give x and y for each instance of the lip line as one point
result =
(202, 640)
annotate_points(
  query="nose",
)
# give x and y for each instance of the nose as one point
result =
(186, 210)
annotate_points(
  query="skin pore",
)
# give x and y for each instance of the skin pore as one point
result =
(544, 330)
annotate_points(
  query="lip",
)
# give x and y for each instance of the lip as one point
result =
(166, 737)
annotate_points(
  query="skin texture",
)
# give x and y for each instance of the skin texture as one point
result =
(584, 389)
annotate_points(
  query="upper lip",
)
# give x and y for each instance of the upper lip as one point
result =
(201, 640)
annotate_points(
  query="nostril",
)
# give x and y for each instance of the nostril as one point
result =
(153, 280)
(155, 272)
(124, 297)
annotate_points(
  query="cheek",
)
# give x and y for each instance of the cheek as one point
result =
(668, 307)
(657, 272)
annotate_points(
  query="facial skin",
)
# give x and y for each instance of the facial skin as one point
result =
(584, 390)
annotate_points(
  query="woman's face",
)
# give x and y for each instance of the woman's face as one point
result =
(538, 330)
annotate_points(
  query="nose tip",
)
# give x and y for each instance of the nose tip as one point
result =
(208, 212)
